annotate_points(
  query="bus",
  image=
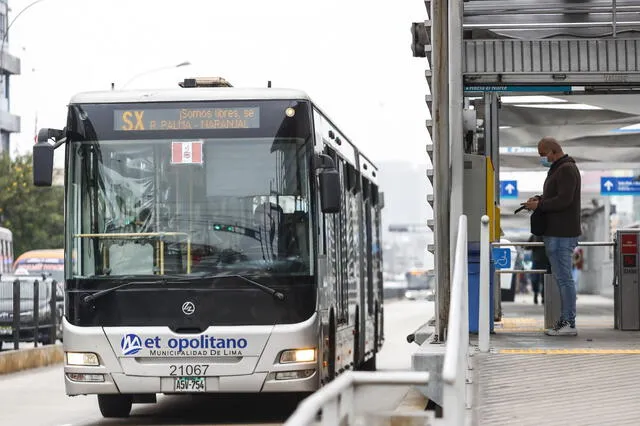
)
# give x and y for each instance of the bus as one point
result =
(223, 239)
(6, 251)
(44, 261)
(420, 283)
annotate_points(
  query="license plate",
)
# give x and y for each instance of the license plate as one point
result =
(6, 330)
(189, 384)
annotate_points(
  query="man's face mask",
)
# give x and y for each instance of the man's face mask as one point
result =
(544, 161)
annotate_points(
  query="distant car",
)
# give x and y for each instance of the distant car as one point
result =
(27, 323)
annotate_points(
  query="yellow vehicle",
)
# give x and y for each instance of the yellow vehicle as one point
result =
(35, 262)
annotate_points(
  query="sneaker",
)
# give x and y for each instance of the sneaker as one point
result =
(562, 328)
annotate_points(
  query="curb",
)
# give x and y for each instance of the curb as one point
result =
(24, 359)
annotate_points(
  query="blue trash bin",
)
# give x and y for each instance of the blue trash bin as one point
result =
(473, 254)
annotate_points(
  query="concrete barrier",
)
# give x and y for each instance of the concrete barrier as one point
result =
(24, 359)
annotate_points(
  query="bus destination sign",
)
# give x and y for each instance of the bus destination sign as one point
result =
(186, 119)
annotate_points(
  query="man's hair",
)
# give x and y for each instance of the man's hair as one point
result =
(551, 144)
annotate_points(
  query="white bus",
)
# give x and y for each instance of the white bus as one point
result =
(6, 251)
(217, 240)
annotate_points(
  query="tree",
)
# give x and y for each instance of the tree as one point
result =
(34, 215)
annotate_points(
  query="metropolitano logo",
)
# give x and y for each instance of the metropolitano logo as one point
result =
(131, 344)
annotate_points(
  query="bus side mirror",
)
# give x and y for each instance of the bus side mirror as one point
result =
(43, 155)
(43, 164)
(329, 191)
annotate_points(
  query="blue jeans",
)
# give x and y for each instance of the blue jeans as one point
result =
(560, 251)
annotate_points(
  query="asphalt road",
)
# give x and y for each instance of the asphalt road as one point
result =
(37, 398)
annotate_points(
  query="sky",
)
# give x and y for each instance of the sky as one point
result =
(352, 57)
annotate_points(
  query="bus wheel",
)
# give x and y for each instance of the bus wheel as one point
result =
(331, 367)
(115, 405)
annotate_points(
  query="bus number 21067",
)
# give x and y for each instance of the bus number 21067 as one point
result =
(188, 370)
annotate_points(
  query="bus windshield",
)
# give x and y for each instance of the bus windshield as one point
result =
(173, 204)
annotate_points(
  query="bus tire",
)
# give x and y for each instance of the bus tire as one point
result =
(115, 405)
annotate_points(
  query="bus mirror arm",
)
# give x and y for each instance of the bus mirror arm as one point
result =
(45, 134)
(323, 161)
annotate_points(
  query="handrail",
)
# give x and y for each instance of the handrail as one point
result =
(520, 271)
(125, 235)
(541, 244)
(337, 399)
(457, 346)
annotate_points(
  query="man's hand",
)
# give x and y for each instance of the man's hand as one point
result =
(531, 204)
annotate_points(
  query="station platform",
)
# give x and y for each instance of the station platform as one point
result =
(529, 378)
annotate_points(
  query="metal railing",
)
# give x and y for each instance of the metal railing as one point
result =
(336, 401)
(31, 310)
(454, 369)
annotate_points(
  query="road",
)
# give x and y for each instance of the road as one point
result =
(37, 398)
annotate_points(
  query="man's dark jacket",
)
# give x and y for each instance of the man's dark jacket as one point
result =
(560, 201)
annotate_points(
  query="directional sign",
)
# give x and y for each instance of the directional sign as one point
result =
(610, 185)
(508, 189)
(511, 88)
(501, 257)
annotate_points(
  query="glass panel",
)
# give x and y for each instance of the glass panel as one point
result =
(142, 208)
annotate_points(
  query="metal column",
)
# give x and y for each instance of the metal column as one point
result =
(441, 184)
(456, 99)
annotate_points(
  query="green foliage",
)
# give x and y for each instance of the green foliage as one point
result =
(35, 215)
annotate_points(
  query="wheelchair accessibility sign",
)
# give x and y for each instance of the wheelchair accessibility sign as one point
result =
(501, 257)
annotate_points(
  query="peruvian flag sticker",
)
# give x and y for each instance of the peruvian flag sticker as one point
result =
(186, 152)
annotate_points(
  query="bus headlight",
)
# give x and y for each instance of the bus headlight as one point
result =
(82, 358)
(298, 355)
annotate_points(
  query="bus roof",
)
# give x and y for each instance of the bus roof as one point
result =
(5, 233)
(41, 254)
(186, 95)
(195, 94)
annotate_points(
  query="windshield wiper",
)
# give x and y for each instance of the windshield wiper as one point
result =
(273, 292)
(90, 298)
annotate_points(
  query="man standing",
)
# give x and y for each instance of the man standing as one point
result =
(560, 205)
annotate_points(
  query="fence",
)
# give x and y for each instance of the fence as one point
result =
(336, 402)
(30, 310)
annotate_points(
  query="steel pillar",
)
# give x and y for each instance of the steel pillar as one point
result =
(441, 182)
(456, 100)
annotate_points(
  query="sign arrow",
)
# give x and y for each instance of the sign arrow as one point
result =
(509, 188)
(608, 184)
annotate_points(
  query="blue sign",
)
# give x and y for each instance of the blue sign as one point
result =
(508, 189)
(501, 257)
(507, 88)
(610, 185)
